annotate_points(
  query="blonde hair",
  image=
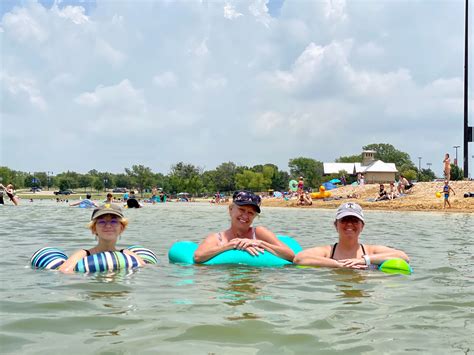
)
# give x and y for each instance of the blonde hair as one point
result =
(92, 224)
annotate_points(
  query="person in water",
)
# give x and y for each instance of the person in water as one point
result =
(348, 252)
(107, 224)
(241, 235)
(10, 191)
(86, 203)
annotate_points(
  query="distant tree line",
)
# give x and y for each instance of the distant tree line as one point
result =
(226, 177)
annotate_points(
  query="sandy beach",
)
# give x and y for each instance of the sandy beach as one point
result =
(421, 198)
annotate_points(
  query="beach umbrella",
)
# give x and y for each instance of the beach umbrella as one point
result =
(329, 186)
(335, 181)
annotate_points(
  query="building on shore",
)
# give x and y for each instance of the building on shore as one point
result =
(374, 171)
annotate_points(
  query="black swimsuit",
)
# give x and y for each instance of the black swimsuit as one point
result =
(88, 253)
(334, 250)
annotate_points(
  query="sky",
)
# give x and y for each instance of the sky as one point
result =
(109, 84)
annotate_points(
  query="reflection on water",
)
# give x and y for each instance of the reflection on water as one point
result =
(240, 284)
(351, 283)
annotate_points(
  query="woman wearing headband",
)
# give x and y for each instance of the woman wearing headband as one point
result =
(241, 235)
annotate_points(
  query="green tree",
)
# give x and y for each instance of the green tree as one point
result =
(140, 176)
(250, 180)
(427, 175)
(209, 179)
(456, 173)
(410, 174)
(184, 171)
(85, 181)
(123, 180)
(312, 170)
(388, 154)
(225, 176)
(97, 183)
(350, 159)
(65, 182)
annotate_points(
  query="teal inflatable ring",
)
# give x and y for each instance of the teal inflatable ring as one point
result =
(293, 185)
(182, 252)
(52, 258)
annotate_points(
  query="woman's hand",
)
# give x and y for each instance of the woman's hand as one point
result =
(253, 247)
(355, 263)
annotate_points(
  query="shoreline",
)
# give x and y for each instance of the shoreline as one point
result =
(422, 197)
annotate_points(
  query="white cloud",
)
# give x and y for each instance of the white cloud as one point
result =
(319, 76)
(74, 13)
(112, 55)
(165, 79)
(230, 12)
(259, 10)
(19, 87)
(335, 10)
(122, 97)
(25, 25)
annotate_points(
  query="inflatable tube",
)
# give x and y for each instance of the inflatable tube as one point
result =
(391, 266)
(293, 185)
(183, 252)
(396, 266)
(53, 258)
(48, 258)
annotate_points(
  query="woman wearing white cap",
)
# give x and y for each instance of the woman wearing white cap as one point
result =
(241, 235)
(348, 252)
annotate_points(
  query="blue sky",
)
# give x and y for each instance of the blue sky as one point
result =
(108, 84)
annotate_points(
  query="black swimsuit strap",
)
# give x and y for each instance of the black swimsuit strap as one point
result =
(334, 250)
(88, 253)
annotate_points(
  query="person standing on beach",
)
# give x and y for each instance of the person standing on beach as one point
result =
(446, 190)
(300, 190)
(447, 167)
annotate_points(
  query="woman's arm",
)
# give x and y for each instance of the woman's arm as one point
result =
(268, 240)
(209, 248)
(318, 256)
(71, 262)
(379, 253)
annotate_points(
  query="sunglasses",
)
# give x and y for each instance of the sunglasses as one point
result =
(246, 196)
(350, 219)
(103, 222)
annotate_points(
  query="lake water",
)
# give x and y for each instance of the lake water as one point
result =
(173, 309)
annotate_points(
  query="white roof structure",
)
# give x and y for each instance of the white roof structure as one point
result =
(334, 168)
(377, 166)
(380, 167)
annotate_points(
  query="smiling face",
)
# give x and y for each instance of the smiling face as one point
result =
(349, 227)
(108, 227)
(242, 216)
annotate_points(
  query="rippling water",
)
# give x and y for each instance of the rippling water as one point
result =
(237, 310)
